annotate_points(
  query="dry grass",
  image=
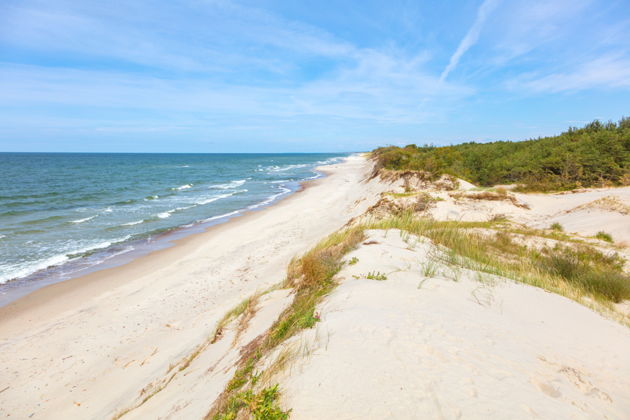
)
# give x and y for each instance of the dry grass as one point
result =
(499, 194)
(574, 271)
(312, 278)
(608, 203)
(247, 307)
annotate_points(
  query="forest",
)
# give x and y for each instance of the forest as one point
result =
(597, 154)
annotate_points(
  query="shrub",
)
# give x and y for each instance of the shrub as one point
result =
(595, 155)
(604, 236)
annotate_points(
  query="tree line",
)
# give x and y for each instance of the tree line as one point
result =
(597, 154)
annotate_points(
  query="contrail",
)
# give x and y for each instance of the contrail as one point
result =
(471, 36)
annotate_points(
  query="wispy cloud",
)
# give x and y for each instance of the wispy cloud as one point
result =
(609, 72)
(280, 71)
(471, 36)
(208, 64)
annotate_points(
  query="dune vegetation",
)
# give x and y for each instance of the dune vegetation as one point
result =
(570, 268)
(597, 154)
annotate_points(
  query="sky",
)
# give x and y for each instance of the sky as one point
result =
(317, 76)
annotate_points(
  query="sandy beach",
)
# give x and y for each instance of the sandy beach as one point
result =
(405, 333)
(87, 347)
(450, 345)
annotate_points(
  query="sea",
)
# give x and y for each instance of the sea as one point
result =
(63, 215)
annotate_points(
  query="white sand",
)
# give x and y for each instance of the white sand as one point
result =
(571, 210)
(88, 347)
(135, 340)
(449, 346)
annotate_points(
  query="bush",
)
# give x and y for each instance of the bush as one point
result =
(604, 236)
(597, 154)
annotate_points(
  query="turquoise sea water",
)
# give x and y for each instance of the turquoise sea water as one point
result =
(61, 213)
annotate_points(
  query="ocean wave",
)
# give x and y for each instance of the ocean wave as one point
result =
(221, 216)
(218, 197)
(90, 249)
(151, 197)
(108, 210)
(44, 220)
(19, 272)
(22, 203)
(168, 213)
(26, 269)
(137, 222)
(270, 199)
(84, 220)
(182, 187)
(329, 161)
(124, 202)
(317, 175)
(276, 168)
(232, 184)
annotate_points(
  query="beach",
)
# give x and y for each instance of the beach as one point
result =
(86, 347)
(403, 328)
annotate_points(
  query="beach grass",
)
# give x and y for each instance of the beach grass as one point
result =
(312, 278)
(573, 271)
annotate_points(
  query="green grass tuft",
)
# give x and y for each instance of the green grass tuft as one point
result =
(376, 275)
(604, 236)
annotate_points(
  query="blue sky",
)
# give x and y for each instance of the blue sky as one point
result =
(267, 76)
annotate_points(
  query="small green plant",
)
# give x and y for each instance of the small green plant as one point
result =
(262, 405)
(429, 269)
(604, 236)
(376, 275)
(557, 227)
(309, 319)
(353, 261)
(401, 195)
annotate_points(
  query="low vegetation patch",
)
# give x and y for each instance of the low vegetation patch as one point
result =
(576, 271)
(376, 275)
(597, 154)
(261, 406)
(498, 195)
(604, 236)
(312, 278)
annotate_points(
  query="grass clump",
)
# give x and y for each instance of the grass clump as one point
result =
(353, 261)
(569, 271)
(261, 405)
(312, 278)
(607, 237)
(588, 269)
(557, 227)
(376, 275)
(402, 194)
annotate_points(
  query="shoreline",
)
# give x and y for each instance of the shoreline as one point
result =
(31, 301)
(20, 288)
(90, 346)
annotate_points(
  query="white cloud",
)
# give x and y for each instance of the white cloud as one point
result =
(471, 36)
(609, 71)
(207, 62)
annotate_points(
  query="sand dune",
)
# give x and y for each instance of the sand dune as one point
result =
(96, 346)
(421, 339)
(449, 346)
